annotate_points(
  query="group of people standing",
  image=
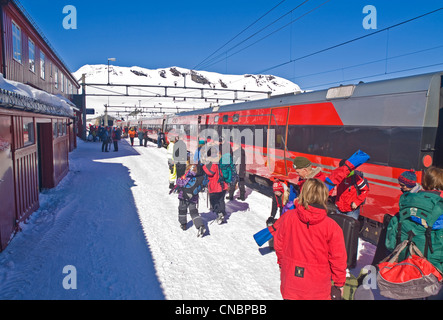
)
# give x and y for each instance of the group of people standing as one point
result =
(107, 135)
(206, 162)
(309, 244)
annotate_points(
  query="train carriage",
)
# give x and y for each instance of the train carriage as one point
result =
(152, 125)
(397, 122)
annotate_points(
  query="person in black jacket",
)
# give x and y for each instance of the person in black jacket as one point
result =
(116, 136)
(239, 159)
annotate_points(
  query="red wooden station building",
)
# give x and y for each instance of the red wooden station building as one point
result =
(36, 135)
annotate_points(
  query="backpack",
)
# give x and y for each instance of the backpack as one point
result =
(191, 186)
(228, 170)
(413, 278)
(419, 220)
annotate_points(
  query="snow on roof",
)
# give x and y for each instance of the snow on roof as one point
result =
(17, 94)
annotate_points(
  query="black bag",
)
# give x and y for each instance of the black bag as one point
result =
(351, 229)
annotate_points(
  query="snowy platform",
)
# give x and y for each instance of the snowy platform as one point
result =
(112, 219)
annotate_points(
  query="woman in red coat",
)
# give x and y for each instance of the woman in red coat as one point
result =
(310, 247)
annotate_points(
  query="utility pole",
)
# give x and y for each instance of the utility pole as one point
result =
(106, 115)
(84, 106)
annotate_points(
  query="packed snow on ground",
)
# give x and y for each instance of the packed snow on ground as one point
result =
(113, 224)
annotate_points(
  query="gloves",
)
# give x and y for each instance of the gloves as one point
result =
(270, 221)
(335, 293)
(357, 159)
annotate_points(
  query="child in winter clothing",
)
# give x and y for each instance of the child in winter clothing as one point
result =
(310, 247)
(279, 200)
(191, 204)
(408, 182)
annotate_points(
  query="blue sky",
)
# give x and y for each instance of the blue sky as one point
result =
(160, 34)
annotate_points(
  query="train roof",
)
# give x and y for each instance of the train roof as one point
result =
(422, 82)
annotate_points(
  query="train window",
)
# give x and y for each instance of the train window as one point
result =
(225, 118)
(235, 117)
(341, 142)
(216, 119)
(403, 140)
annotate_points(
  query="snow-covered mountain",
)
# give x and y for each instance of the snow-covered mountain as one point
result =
(185, 94)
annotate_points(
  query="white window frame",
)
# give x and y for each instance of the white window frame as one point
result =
(16, 42)
(31, 49)
(56, 77)
(42, 65)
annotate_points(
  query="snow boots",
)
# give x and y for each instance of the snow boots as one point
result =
(220, 218)
(201, 231)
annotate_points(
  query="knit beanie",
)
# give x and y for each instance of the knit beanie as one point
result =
(278, 186)
(301, 162)
(408, 178)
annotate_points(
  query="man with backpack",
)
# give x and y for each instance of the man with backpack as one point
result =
(351, 193)
(420, 219)
(217, 185)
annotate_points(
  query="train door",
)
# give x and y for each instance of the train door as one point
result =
(7, 208)
(438, 157)
(277, 135)
(203, 122)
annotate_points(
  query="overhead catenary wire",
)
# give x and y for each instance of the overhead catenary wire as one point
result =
(376, 75)
(365, 63)
(350, 41)
(241, 32)
(224, 54)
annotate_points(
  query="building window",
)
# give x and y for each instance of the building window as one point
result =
(28, 131)
(54, 128)
(42, 65)
(17, 42)
(56, 77)
(60, 128)
(31, 47)
(63, 82)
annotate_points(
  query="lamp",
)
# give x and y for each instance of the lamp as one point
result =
(109, 59)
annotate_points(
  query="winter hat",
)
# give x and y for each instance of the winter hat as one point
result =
(301, 162)
(279, 186)
(408, 178)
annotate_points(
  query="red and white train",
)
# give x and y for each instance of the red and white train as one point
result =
(397, 122)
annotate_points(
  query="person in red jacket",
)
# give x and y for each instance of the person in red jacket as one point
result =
(351, 194)
(216, 187)
(310, 247)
